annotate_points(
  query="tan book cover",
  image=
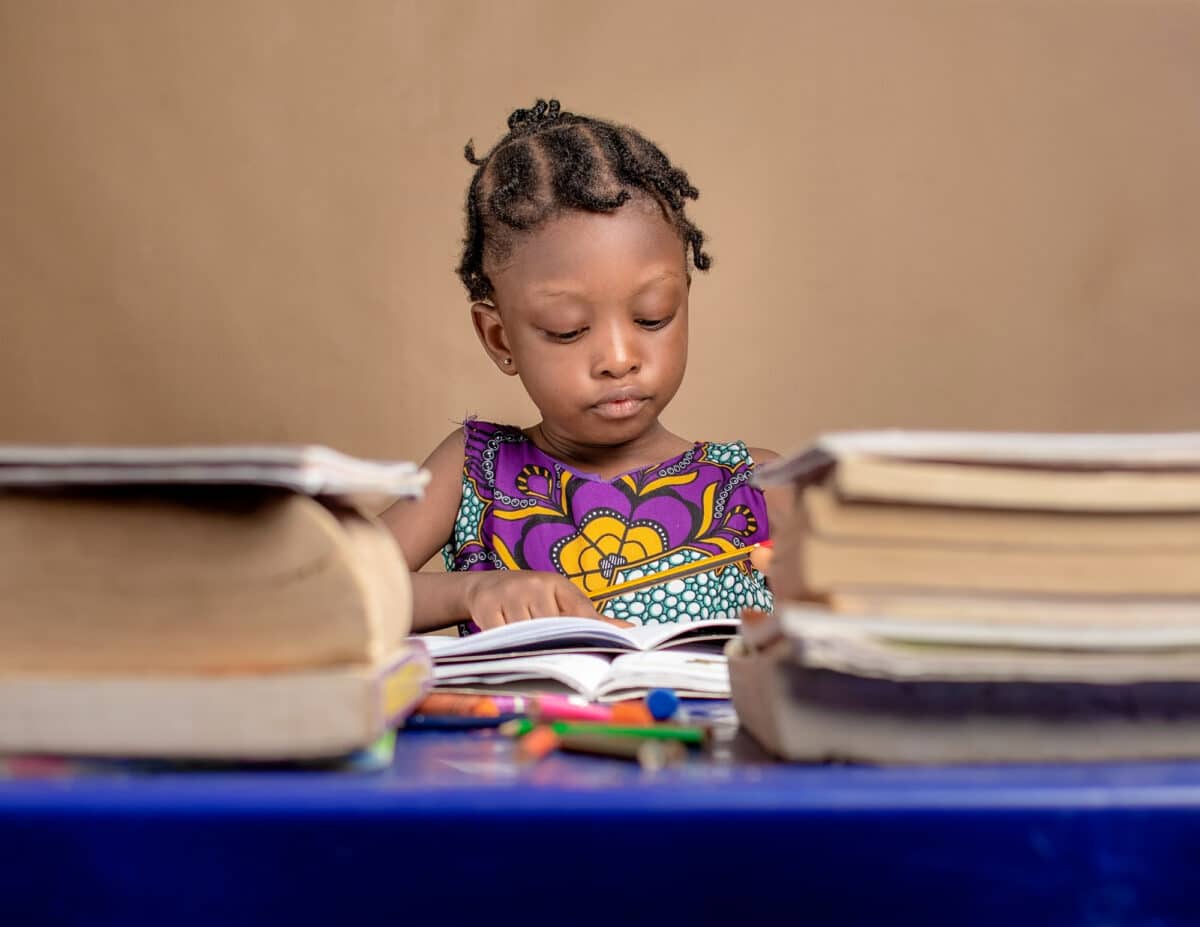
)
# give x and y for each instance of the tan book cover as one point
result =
(833, 517)
(286, 715)
(828, 566)
(131, 581)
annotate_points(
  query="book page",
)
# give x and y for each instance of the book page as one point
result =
(1040, 636)
(572, 635)
(538, 635)
(690, 673)
(859, 653)
(662, 636)
(581, 672)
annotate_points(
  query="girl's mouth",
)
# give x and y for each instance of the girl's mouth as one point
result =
(625, 407)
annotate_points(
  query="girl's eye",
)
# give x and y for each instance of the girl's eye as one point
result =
(654, 324)
(565, 336)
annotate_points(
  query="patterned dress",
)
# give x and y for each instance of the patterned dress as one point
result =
(523, 510)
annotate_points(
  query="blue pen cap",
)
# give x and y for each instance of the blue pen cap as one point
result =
(663, 703)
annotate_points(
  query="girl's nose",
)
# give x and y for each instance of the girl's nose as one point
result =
(617, 356)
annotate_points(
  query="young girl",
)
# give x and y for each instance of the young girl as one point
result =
(577, 261)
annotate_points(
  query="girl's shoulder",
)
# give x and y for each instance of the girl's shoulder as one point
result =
(490, 448)
(734, 453)
(478, 433)
(761, 455)
(482, 427)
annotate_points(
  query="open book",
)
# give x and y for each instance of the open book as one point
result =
(691, 674)
(576, 635)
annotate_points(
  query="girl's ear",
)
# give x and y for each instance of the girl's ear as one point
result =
(490, 329)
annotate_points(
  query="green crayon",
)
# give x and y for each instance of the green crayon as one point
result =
(679, 732)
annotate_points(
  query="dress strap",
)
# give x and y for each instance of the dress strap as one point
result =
(733, 455)
(482, 442)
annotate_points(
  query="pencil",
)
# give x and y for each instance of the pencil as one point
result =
(702, 565)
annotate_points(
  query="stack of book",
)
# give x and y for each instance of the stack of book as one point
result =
(227, 603)
(959, 597)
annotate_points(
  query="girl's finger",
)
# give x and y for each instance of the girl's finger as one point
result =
(573, 602)
(513, 613)
(491, 618)
(544, 605)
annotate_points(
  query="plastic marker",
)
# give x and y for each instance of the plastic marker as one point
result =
(562, 708)
(631, 713)
(456, 722)
(663, 703)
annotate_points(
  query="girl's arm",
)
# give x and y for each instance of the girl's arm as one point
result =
(783, 563)
(778, 503)
(422, 527)
(778, 498)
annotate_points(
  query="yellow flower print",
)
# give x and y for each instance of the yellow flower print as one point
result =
(591, 557)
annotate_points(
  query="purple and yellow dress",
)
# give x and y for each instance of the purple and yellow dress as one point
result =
(523, 510)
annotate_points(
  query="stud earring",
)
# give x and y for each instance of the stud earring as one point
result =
(508, 362)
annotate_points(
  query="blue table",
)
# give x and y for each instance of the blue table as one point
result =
(456, 833)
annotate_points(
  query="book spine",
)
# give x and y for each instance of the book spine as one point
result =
(404, 683)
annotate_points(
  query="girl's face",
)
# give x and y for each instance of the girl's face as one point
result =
(592, 310)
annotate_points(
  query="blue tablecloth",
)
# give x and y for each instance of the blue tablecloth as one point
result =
(457, 833)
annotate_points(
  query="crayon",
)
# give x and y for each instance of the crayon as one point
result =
(651, 754)
(682, 733)
(536, 743)
(449, 704)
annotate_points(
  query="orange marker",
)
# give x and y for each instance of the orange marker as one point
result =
(536, 744)
(631, 713)
(449, 704)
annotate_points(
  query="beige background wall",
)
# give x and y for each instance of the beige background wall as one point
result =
(239, 221)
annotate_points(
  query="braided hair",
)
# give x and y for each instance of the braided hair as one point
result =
(552, 161)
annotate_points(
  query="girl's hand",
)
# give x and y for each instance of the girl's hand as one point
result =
(504, 596)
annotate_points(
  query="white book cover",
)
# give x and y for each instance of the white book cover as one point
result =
(309, 469)
(1132, 450)
(1141, 449)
